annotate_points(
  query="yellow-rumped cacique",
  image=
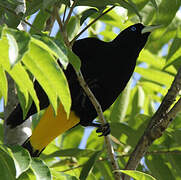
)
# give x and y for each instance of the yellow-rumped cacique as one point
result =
(106, 67)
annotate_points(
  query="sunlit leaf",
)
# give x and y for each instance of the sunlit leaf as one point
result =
(137, 175)
(155, 162)
(73, 27)
(56, 48)
(88, 166)
(174, 56)
(118, 112)
(49, 74)
(21, 158)
(18, 44)
(39, 22)
(86, 14)
(72, 152)
(7, 166)
(155, 76)
(40, 170)
(3, 85)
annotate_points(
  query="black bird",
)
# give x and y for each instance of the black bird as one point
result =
(106, 67)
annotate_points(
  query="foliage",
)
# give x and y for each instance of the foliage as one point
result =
(24, 54)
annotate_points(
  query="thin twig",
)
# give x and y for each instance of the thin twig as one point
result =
(64, 34)
(58, 19)
(64, 13)
(98, 108)
(69, 14)
(91, 23)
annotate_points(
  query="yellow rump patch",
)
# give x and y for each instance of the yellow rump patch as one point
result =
(51, 126)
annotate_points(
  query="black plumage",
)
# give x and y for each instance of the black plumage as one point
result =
(106, 67)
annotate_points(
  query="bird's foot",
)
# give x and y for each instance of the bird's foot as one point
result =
(104, 129)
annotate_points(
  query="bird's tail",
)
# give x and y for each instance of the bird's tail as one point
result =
(49, 127)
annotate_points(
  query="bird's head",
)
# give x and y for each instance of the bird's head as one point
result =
(135, 35)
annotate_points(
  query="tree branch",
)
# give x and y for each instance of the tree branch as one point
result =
(158, 123)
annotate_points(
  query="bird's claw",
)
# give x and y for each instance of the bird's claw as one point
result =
(104, 129)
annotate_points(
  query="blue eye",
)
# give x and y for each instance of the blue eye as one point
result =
(133, 28)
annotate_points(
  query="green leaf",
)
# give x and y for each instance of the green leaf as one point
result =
(40, 21)
(3, 85)
(21, 158)
(74, 60)
(23, 102)
(165, 15)
(87, 13)
(174, 160)
(95, 142)
(57, 48)
(150, 86)
(51, 77)
(104, 169)
(155, 162)
(49, 3)
(8, 170)
(69, 140)
(97, 3)
(40, 170)
(174, 56)
(133, 108)
(132, 6)
(62, 176)
(71, 152)
(139, 4)
(137, 175)
(154, 4)
(141, 96)
(18, 44)
(28, 175)
(151, 59)
(18, 72)
(156, 76)
(89, 165)
(124, 133)
(10, 19)
(25, 85)
(33, 6)
(1, 115)
(73, 27)
(113, 19)
(155, 61)
(118, 112)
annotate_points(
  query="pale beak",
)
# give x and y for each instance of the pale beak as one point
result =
(150, 28)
